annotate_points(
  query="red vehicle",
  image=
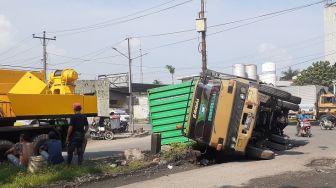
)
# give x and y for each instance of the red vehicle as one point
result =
(305, 130)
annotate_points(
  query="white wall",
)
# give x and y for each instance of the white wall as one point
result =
(141, 110)
(330, 33)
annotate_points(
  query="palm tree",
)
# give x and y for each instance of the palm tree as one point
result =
(171, 70)
(289, 74)
(157, 82)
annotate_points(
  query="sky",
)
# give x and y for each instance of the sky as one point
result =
(293, 39)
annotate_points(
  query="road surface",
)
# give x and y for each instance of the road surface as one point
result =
(105, 148)
(244, 173)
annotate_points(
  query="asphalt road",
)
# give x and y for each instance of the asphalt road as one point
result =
(106, 148)
(289, 168)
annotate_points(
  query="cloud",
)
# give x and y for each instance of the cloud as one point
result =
(6, 38)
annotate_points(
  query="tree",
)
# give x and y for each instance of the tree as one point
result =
(157, 82)
(320, 73)
(289, 74)
(171, 70)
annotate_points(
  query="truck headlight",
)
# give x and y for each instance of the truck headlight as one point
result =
(248, 121)
(242, 96)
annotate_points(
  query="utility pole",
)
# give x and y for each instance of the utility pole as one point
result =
(130, 102)
(141, 72)
(129, 57)
(201, 27)
(44, 44)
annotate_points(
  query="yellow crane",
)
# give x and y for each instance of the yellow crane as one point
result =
(25, 96)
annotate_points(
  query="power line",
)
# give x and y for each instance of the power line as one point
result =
(91, 54)
(20, 53)
(128, 20)
(114, 19)
(236, 27)
(274, 14)
(17, 45)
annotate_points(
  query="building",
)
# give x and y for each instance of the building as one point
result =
(330, 31)
(119, 97)
(112, 97)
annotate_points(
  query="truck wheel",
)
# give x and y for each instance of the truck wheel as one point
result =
(4, 146)
(259, 153)
(38, 141)
(272, 91)
(288, 105)
(295, 99)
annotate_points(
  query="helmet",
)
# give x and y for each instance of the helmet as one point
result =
(77, 106)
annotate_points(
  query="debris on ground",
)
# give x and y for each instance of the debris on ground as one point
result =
(134, 154)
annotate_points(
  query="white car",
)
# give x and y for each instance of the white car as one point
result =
(123, 115)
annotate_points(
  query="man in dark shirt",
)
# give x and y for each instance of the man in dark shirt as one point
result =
(76, 134)
(52, 149)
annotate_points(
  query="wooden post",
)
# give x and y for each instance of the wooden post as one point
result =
(156, 143)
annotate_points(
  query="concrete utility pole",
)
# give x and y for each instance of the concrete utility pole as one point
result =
(130, 102)
(44, 44)
(201, 27)
(130, 84)
(129, 57)
(141, 72)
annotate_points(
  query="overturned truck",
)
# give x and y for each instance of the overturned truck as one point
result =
(238, 115)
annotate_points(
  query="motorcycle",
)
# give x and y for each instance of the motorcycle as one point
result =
(100, 132)
(327, 122)
(305, 128)
(123, 126)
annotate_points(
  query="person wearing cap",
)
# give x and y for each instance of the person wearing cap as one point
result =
(76, 134)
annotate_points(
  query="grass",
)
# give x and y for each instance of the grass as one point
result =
(11, 177)
(177, 152)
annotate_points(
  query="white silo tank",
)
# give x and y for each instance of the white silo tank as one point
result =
(239, 70)
(269, 78)
(251, 71)
(268, 67)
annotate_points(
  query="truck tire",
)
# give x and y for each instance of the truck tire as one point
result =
(4, 146)
(38, 141)
(295, 99)
(272, 91)
(259, 153)
(288, 105)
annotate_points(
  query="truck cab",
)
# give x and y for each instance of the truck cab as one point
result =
(327, 102)
(223, 114)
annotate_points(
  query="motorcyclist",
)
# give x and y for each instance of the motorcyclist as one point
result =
(301, 117)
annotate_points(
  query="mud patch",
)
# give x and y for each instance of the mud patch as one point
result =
(322, 163)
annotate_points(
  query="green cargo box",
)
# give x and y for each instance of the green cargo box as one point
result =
(168, 107)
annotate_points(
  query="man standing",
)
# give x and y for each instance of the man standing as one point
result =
(76, 134)
(23, 149)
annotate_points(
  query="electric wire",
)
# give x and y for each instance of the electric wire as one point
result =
(127, 20)
(114, 19)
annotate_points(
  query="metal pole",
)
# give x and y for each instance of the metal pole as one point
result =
(130, 105)
(204, 55)
(44, 44)
(141, 72)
